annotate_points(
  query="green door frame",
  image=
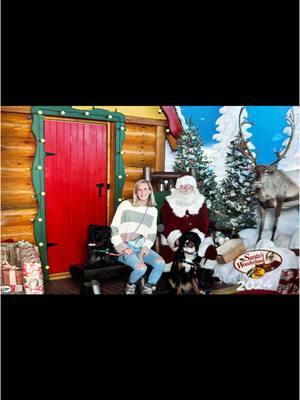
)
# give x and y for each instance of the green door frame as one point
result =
(38, 113)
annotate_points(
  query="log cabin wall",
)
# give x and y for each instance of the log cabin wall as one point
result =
(18, 200)
(144, 144)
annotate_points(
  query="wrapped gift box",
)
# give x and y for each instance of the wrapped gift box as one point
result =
(12, 276)
(32, 278)
(29, 259)
(5, 289)
(289, 281)
(26, 252)
(12, 289)
(8, 253)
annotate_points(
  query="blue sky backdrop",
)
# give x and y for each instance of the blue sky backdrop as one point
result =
(267, 132)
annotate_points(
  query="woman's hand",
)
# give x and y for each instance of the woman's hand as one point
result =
(142, 254)
(127, 251)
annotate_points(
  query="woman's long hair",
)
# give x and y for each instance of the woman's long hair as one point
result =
(151, 199)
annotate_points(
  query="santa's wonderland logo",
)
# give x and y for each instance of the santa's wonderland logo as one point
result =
(256, 263)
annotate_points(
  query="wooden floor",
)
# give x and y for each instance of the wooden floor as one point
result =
(69, 286)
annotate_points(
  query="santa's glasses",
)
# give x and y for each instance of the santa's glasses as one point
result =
(186, 187)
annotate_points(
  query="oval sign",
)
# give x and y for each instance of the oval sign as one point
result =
(5, 289)
(256, 263)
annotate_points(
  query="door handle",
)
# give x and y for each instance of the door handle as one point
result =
(100, 186)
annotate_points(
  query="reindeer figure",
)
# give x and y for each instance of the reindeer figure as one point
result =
(274, 189)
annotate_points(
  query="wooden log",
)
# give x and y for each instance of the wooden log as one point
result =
(16, 125)
(128, 190)
(21, 198)
(230, 250)
(133, 174)
(17, 184)
(165, 175)
(18, 141)
(172, 141)
(111, 171)
(17, 152)
(14, 162)
(16, 109)
(160, 149)
(138, 158)
(138, 143)
(20, 216)
(21, 232)
(139, 147)
(138, 133)
(13, 174)
(146, 121)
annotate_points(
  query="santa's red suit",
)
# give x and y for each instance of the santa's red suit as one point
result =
(178, 219)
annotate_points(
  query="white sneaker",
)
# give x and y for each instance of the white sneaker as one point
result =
(130, 288)
(147, 289)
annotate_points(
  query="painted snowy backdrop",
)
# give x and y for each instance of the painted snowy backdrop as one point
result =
(268, 132)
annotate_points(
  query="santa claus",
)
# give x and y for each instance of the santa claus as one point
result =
(184, 211)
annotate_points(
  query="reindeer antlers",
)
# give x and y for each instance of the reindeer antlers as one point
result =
(291, 119)
(243, 144)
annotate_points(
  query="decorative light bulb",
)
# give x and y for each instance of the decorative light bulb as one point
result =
(120, 176)
(122, 128)
(40, 219)
(43, 194)
(47, 267)
(40, 167)
(110, 116)
(62, 112)
(119, 199)
(41, 244)
(43, 140)
(87, 113)
(122, 152)
(167, 130)
(40, 112)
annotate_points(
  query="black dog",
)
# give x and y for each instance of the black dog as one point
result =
(187, 274)
(101, 252)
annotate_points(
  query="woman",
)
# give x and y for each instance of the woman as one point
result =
(134, 228)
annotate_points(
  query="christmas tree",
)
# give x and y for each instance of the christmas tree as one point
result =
(228, 128)
(190, 155)
(237, 203)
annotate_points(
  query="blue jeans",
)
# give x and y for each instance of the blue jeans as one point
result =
(139, 267)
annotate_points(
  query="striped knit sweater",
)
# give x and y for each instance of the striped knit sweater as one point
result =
(125, 222)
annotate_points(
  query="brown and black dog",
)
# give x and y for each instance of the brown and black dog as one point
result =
(187, 274)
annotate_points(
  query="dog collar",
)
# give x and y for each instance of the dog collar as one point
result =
(188, 262)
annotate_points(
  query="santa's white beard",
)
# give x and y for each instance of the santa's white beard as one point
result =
(185, 199)
(180, 202)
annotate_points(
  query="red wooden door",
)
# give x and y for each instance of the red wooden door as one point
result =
(72, 198)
